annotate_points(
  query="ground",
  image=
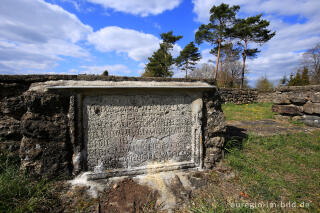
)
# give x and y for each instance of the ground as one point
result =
(270, 165)
(276, 165)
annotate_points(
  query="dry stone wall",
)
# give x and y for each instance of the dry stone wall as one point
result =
(238, 96)
(48, 127)
(300, 102)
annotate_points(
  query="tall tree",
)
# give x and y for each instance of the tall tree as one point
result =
(188, 58)
(301, 78)
(160, 62)
(312, 61)
(230, 67)
(305, 76)
(284, 80)
(251, 29)
(217, 30)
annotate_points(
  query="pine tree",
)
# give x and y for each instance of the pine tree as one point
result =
(305, 76)
(217, 31)
(284, 80)
(188, 58)
(251, 29)
(160, 62)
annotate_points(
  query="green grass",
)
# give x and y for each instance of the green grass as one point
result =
(248, 112)
(275, 169)
(20, 193)
(279, 168)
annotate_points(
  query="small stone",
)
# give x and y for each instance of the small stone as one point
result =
(115, 186)
(296, 118)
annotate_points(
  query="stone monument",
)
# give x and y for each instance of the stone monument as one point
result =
(132, 128)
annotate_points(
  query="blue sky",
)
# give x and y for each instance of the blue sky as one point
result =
(89, 36)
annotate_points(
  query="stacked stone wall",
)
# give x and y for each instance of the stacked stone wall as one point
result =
(299, 102)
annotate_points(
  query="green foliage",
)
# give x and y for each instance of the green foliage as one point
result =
(218, 29)
(160, 62)
(188, 58)
(20, 193)
(252, 29)
(263, 84)
(221, 20)
(284, 80)
(105, 73)
(301, 78)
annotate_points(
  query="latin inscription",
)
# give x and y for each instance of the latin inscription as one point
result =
(128, 131)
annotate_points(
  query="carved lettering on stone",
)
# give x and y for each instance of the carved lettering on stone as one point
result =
(133, 131)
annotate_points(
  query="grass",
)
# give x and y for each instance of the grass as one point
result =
(248, 112)
(19, 192)
(271, 170)
(280, 168)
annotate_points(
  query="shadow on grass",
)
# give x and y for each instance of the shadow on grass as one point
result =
(234, 138)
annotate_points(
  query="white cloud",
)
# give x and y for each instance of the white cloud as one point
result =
(116, 69)
(282, 54)
(307, 8)
(138, 45)
(34, 34)
(139, 7)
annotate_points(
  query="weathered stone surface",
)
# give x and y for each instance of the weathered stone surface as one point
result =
(45, 148)
(50, 128)
(13, 107)
(45, 158)
(265, 97)
(286, 109)
(297, 98)
(10, 89)
(215, 142)
(135, 131)
(212, 155)
(309, 120)
(10, 129)
(315, 98)
(312, 108)
(238, 96)
(46, 103)
(214, 128)
(281, 99)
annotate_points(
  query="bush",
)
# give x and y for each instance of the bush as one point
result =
(264, 84)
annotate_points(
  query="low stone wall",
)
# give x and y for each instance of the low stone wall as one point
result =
(45, 126)
(265, 97)
(299, 102)
(238, 96)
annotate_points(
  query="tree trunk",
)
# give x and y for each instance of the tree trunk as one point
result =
(217, 64)
(186, 67)
(244, 56)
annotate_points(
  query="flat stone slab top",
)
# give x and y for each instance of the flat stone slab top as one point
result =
(71, 84)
